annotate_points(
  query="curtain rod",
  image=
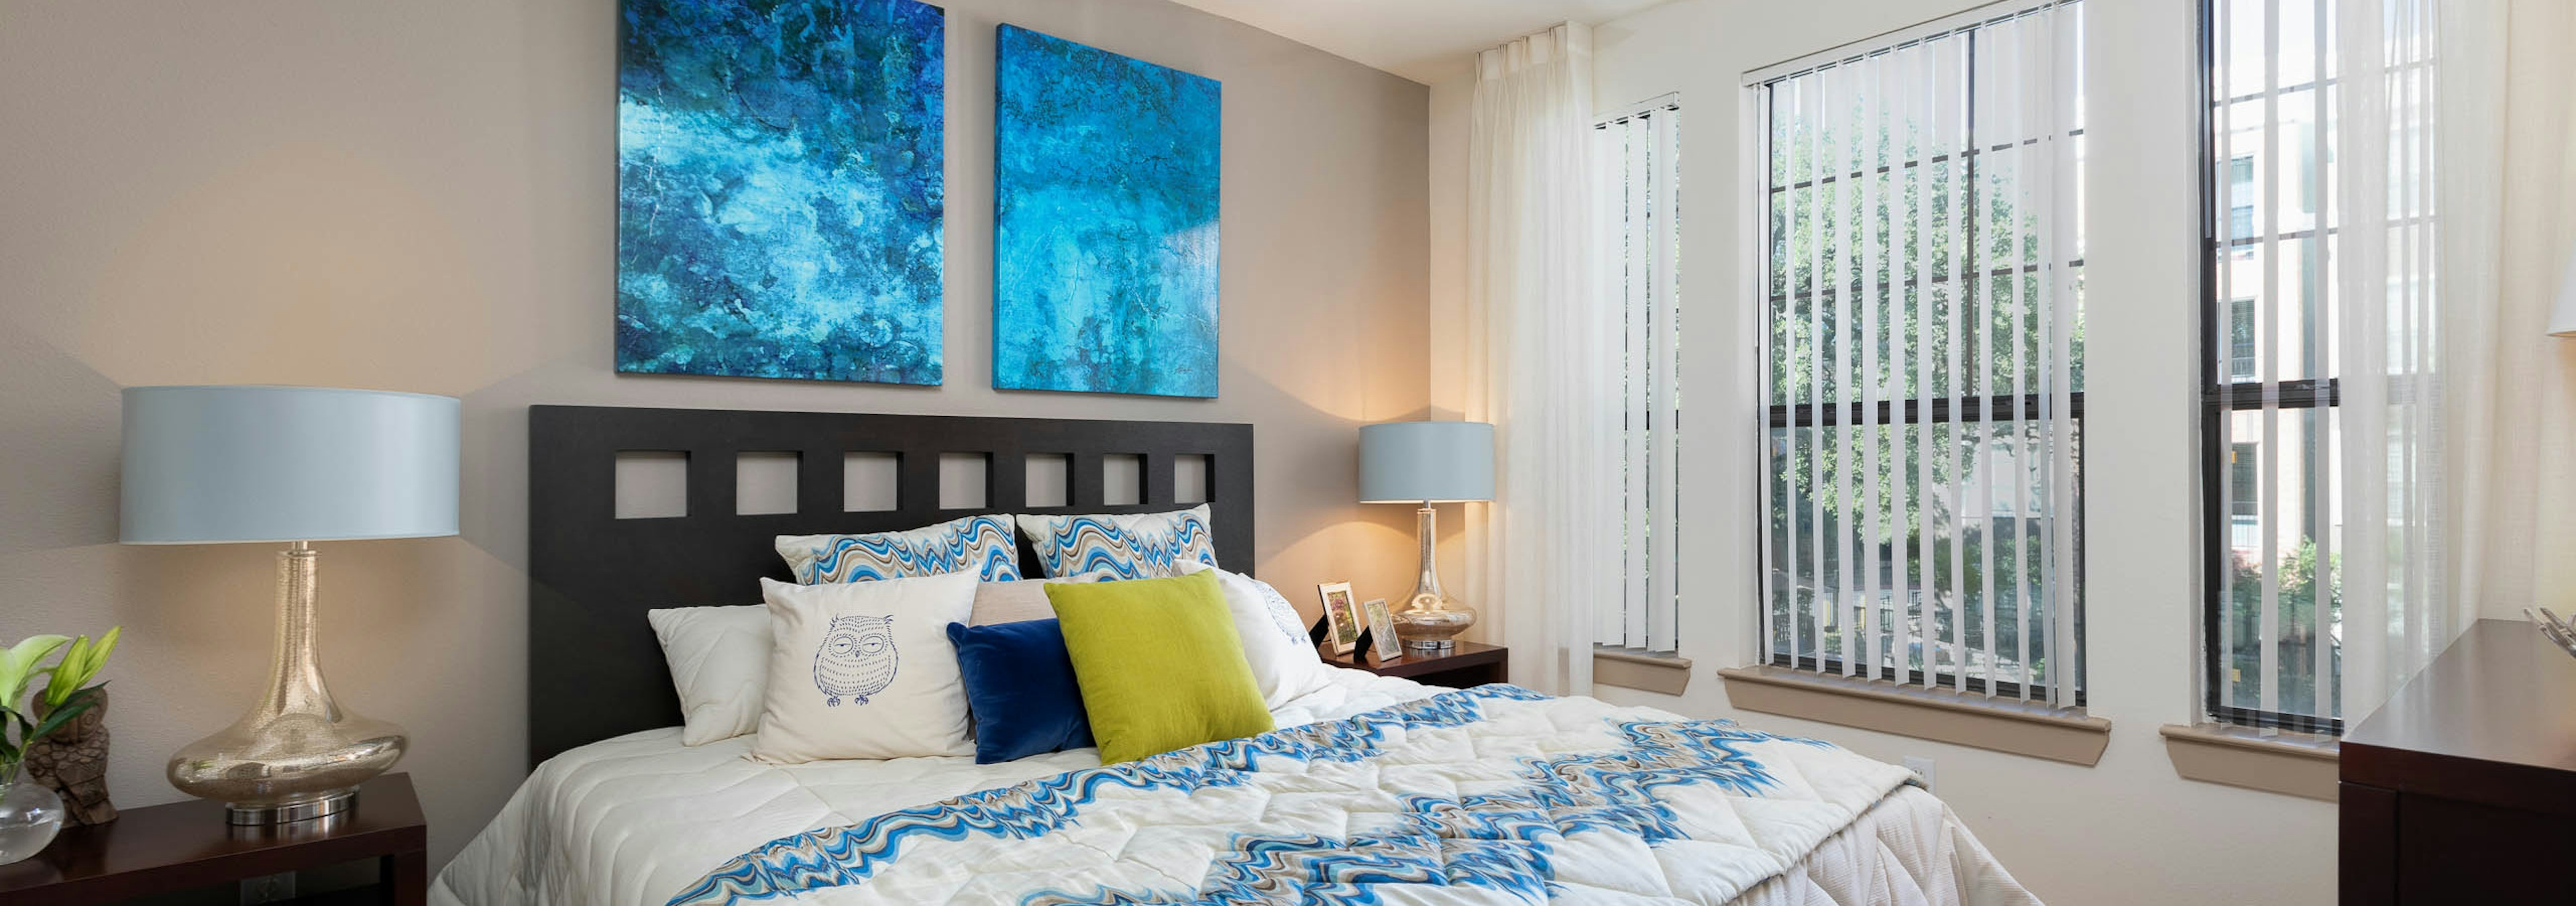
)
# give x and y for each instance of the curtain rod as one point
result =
(1883, 42)
(1670, 100)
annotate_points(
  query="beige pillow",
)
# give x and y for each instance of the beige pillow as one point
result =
(1025, 599)
(864, 670)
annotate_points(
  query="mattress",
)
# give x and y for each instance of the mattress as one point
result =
(641, 820)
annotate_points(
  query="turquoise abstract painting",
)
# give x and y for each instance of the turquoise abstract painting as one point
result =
(778, 189)
(1105, 172)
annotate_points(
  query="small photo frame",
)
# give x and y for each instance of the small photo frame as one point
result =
(1381, 622)
(1342, 615)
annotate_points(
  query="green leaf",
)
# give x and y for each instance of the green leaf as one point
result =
(79, 665)
(18, 663)
(106, 643)
(65, 672)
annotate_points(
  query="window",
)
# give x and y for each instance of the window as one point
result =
(2244, 518)
(2240, 338)
(2271, 392)
(2240, 195)
(1924, 361)
(1639, 156)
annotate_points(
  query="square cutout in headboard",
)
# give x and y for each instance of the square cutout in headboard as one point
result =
(764, 483)
(1122, 479)
(1049, 475)
(1190, 478)
(965, 480)
(868, 482)
(652, 484)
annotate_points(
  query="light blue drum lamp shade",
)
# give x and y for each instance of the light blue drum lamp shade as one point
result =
(283, 464)
(1418, 462)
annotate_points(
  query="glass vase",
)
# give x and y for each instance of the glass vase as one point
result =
(30, 815)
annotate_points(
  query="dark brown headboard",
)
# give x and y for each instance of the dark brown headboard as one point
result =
(594, 669)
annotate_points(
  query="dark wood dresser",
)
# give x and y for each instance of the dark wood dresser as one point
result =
(2462, 788)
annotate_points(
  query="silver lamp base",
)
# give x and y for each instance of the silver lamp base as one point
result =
(291, 812)
(299, 755)
(1430, 620)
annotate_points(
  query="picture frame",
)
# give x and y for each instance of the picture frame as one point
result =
(1341, 616)
(1381, 622)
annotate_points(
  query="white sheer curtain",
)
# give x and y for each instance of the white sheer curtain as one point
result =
(2455, 122)
(1543, 358)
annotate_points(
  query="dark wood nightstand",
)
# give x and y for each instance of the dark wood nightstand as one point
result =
(2462, 788)
(1470, 664)
(186, 845)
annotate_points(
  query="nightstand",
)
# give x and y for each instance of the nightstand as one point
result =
(187, 845)
(1470, 664)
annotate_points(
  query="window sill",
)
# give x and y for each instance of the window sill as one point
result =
(2295, 764)
(1943, 715)
(1664, 673)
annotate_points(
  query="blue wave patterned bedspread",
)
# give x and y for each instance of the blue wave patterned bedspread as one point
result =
(1489, 795)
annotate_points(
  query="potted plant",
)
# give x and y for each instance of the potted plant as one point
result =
(30, 813)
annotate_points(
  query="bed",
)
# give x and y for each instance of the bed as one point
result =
(1373, 789)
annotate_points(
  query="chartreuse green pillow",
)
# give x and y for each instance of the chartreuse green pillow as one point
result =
(1160, 665)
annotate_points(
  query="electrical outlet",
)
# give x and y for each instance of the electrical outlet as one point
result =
(274, 888)
(1922, 767)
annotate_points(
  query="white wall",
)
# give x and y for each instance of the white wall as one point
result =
(2124, 831)
(420, 196)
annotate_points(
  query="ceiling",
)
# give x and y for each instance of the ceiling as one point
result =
(1422, 40)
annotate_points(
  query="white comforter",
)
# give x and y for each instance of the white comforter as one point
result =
(1374, 791)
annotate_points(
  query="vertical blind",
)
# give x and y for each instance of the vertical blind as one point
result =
(1638, 155)
(1924, 358)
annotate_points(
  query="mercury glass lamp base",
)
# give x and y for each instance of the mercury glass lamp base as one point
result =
(291, 812)
(1430, 620)
(299, 755)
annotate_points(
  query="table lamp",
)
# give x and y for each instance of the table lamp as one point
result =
(1423, 463)
(287, 465)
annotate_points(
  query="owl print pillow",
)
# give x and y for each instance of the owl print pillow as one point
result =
(864, 670)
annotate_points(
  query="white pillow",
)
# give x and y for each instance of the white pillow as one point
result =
(719, 659)
(1283, 658)
(865, 670)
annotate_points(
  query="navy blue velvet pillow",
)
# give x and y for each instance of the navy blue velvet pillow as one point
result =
(1019, 681)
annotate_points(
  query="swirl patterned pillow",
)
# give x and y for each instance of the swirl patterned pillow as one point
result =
(983, 545)
(1132, 546)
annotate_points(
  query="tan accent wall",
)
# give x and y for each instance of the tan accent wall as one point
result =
(420, 196)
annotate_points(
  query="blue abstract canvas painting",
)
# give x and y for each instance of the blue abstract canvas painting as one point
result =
(1104, 221)
(778, 189)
